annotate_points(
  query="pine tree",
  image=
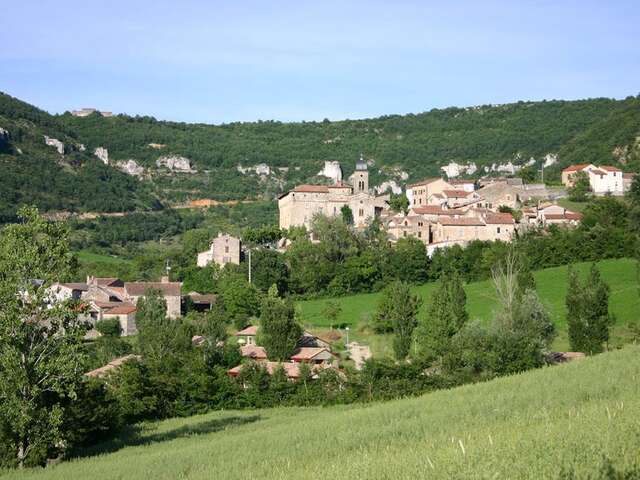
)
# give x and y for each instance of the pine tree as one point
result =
(403, 318)
(279, 329)
(446, 315)
(588, 317)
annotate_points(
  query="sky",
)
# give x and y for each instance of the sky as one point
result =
(243, 60)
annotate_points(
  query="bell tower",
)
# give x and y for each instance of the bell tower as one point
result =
(360, 178)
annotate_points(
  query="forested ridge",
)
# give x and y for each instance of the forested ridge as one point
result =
(597, 130)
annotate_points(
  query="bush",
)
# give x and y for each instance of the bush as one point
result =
(109, 327)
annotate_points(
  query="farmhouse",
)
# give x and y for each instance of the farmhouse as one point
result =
(298, 206)
(603, 180)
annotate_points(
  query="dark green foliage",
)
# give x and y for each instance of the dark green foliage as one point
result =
(399, 203)
(403, 318)
(346, 214)
(241, 299)
(109, 327)
(279, 329)
(581, 187)
(269, 268)
(588, 317)
(446, 315)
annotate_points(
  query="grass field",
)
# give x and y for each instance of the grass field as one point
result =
(531, 425)
(551, 283)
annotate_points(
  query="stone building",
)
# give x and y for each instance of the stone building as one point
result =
(223, 249)
(298, 206)
(602, 180)
(427, 191)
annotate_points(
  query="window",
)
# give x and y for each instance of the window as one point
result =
(361, 212)
(498, 229)
(226, 249)
(406, 223)
(419, 234)
(420, 224)
(404, 234)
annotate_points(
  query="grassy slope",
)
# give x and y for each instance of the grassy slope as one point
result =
(525, 426)
(620, 274)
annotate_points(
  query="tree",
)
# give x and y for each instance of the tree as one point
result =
(241, 299)
(634, 192)
(399, 203)
(332, 311)
(347, 214)
(279, 329)
(268, 269)
(446, 315)
(588, 317)
(41, 352)
(403, 317)
(581, 187)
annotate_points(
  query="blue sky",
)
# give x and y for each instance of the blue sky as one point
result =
(214, 61)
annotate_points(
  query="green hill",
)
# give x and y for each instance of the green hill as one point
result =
(620, 274)
(599, 130)
(574, 418)
(74, 180)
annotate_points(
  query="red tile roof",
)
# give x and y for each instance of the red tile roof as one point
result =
(112, 365)
(307, 353)
(609, 168)
(435, 210)
(76, 286)
(292, 370)
(456, 193)
(123, 309)
(575, 168)
(598, 172)
(563, 216)
(253, 351)
(312, 189)
(500, 218)
(138, 289)
(250, 330)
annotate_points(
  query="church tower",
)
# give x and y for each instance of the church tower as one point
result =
(360, 178)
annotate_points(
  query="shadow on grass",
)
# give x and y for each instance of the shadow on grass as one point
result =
(142, 434)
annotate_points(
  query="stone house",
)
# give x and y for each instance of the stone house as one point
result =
(223, 249)
(427, 192)
(298, 206)
(171, 291)
(497, 194)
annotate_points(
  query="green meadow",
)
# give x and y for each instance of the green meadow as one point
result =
(539, 424)
(620, 274)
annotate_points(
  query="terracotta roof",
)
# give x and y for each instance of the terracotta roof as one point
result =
(462, 222)
(436, 210)
(456, 193)
(628, 175)
(563, 216)
(292, 370)
(307, 353)
(253, 351)
(312, 189)
(203, 298)
(426, 181)
(123, 309)
(598, 172)
(112, 365)
(500, 218)
(575, 168)
(138, 289)
(609, 168)
(250, 330)
(339, 185)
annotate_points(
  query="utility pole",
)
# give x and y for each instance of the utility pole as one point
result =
(249, 250)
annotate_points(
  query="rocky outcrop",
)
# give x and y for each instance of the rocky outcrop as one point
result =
(156, 146)
(175, 163)
(130, 167)
(389, 184)
(54, 142)
(103, 154)
(332, 170)
(261, 169)
(453, 169)
(81, 147)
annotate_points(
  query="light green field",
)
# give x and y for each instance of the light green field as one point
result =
(525, 426)
(551, 283)
(85, 257)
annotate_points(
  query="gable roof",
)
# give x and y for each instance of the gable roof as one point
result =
(122, 309)
(253, 351)
(436, 210)
(500, 218)
(138, 289)
(112, 365)
(308, 353)
(576, 167)
(609, 168)
(456, 193)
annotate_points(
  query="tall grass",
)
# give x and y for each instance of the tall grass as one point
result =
(533, 425)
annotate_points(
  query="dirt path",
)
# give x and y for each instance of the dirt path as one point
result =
(359, 354)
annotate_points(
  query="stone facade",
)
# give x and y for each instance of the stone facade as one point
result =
(298, 206)
(224, 249)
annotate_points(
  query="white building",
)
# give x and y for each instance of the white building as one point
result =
(603, 180)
